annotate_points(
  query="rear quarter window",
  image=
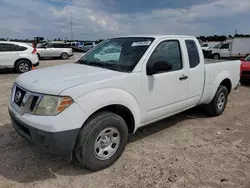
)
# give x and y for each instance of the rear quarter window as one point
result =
(20, 48)
(193, 53)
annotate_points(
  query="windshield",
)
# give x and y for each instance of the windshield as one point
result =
(120, 54)
(217, 46)
(204, 45)
(247, 58)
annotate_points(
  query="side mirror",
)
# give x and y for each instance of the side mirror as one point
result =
(242, 59)
(158, 67)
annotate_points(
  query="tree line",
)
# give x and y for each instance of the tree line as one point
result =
(220, 38)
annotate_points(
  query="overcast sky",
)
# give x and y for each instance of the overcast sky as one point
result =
(93, 19)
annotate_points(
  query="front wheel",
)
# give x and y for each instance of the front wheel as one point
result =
(216, 56)
(217, 106)
(101, 141)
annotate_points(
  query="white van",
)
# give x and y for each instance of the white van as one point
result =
(238, 47)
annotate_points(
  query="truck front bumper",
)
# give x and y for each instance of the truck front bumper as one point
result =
(59, 143)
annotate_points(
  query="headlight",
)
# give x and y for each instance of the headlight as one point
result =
(53, 105)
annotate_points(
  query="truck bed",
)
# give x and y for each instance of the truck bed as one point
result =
(223, 68)
(209, 61)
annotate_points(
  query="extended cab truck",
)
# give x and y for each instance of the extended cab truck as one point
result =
(89, 108)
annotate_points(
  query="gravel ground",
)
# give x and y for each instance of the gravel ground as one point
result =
(189, 150)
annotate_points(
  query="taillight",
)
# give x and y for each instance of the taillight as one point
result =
(34, 51)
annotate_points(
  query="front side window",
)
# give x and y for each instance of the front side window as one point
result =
(225, 46)
(247, 58)
(193, 53)
(217, 46)
(127, 51)
(7, 47)
(168, 51)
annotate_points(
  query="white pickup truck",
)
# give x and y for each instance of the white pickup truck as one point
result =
(90, 107)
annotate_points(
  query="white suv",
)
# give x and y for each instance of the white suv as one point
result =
(17, 55)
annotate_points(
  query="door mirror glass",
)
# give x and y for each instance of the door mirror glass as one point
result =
(158, 67)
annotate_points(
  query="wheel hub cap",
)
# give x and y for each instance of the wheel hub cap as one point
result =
(221, 101)
(23, 67)
(107, 143)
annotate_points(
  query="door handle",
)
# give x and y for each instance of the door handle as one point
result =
(183, 77)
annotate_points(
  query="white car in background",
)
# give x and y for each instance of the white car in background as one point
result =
(17, 55)
(50, 50)
(109, 54)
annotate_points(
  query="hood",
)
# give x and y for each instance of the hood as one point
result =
(54, 80)
(245, 65)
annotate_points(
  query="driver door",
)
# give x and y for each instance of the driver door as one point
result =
(165, 93)
(225, 50)
(48, 50)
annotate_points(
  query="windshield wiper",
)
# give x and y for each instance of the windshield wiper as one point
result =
(110, 66)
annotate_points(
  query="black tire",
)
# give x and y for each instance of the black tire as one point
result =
(213, 108)
(216, 56)
(85, 143)
(64, 55)
(23, 66)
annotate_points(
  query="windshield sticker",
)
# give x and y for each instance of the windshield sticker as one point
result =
(142, 43)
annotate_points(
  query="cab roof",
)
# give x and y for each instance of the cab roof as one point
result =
(157, 36)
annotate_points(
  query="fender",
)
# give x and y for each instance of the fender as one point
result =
(94, 100)
(214, 83)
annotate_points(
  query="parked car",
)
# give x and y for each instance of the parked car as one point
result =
(20, 56)
(245, 69)
(88, 45)
(238, 47)
(109, 54)
(206, 46)
(89, 108)
(62, 50)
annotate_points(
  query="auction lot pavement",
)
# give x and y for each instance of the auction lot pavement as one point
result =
(189, 150)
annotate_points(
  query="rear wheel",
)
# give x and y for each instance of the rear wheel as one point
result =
(101, 141)
(23, 66)
(217, 106)
(64, 55)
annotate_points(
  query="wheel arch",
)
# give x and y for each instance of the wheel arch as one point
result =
(223, 78)
(20, 59)
(228, 84)
(120, 110)
(116, 101)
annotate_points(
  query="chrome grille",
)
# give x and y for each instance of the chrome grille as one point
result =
(24, 101)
